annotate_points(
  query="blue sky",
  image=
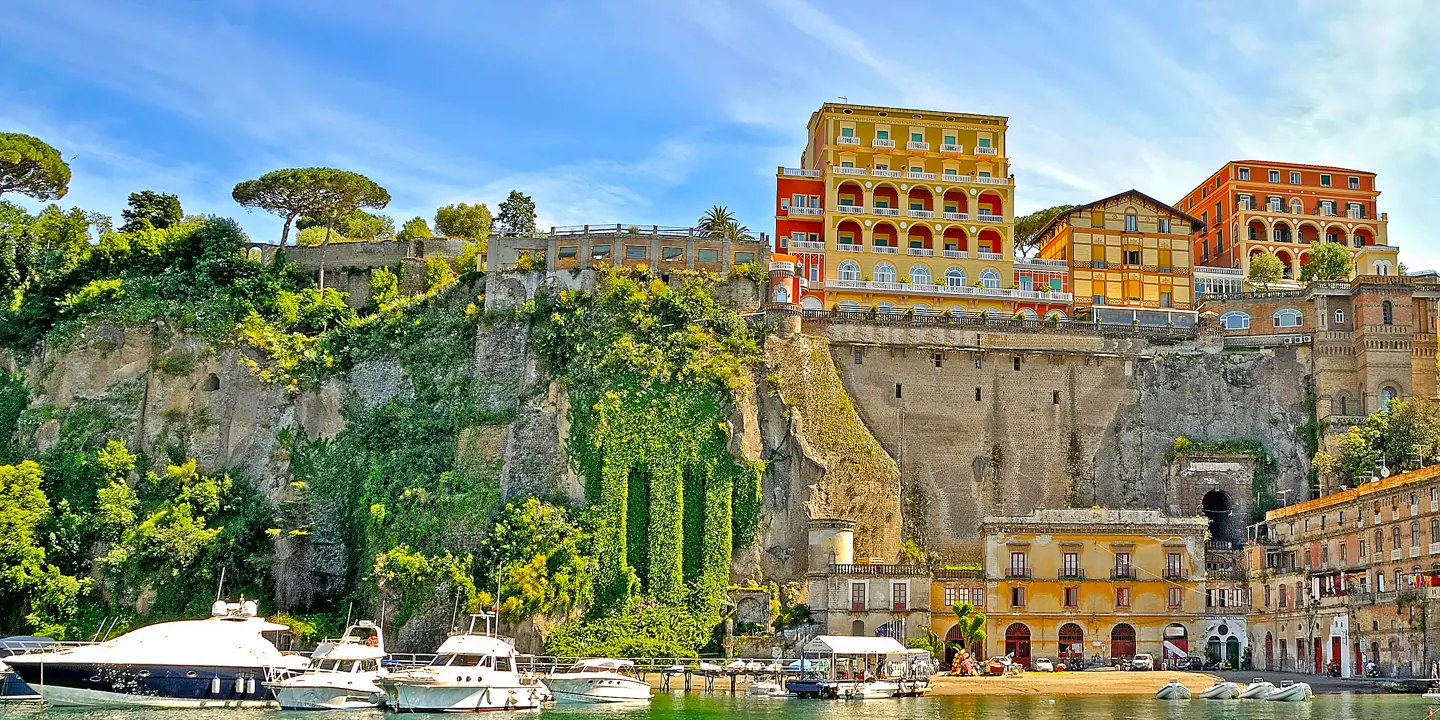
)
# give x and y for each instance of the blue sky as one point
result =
(649, 112)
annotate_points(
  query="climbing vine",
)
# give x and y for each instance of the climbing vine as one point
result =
(651, 370)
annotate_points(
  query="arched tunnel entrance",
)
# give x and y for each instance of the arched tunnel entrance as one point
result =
(1224, 525)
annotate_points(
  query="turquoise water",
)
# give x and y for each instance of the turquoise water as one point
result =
(705, 707)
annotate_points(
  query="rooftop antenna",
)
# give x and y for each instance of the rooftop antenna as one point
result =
(843, 98)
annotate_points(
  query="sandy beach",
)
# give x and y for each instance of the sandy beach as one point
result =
(1071, 683)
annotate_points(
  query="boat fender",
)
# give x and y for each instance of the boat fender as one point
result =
(510, 701)
(240, 685)
(250, 685)
(215, 685)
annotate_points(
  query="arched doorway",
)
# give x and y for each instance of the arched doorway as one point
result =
(1232, 652)
(1122, 642)
(1017, 643)
(1214, 649)
(1072, 644)
(857, 628)
(1269, 652)
(1176, 642)
(1218, 510)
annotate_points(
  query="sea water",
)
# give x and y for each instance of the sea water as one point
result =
(723, 706)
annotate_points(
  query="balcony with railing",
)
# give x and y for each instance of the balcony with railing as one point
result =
(847, 140)
(951, 148)
(806, 245)
(986, 150)
(1122, 573)
(983, 255)
(988, 218)
(893, 570)
(888, 211)
(917, 175)
(955, 178)
(850, 209)
(797, 210)
(842, 170)
(987, 180)
(847, 247)
(949, 290)
(1070, 574)
(882, 143)
(920, 252)
(917, 145)
(799, 172)
(1017, 573)
(924, 214)
(955, 216)
(887, 173)
(954, 254)
(885, 250)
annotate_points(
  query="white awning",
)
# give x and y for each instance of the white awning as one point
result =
(849, 645)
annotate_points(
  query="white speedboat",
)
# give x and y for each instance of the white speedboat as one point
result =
(1257, 689)
(471, 672)
(869, 690)
(223, 661)
(767, 688)
(342, 675)
(1173, 690)
(1223, 690)
(601, 680)
(1291, 692)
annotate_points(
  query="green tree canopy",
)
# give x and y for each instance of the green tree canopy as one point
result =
(317, 192)
(415, 227)
(1328, 261)
(34, 595)
(1266, 268)
(461, 220)
(545, 570)
(1028, 227)
(31, 167)
(1404, 435)
(517, 214)
(720, 222)
(971, 624)
(357, 225)
(149, 209)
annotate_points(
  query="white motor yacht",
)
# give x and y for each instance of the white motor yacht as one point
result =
(601, 680)
(1257, 689)
(223, 661)
(342, 675)
(869, 690)
(472, 672)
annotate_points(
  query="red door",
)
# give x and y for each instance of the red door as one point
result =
(1017, 643)
(1122, 641)
(1269, 652)
(1319, 657)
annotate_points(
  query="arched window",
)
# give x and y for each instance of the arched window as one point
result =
(849, 270)
(1339, 316)
(1342, 403)
(886, 308)
(1387, 313)
(922, 308)
(1386, 395)
(1415, 534)
(954, 277)
(1287, 318)
(1235, 320)
(1132, 223)
(849, 306)
(782, 294)
(885, 272)
(1379, 541)
(1395, 538)
(919, 274)
(1028, 313)
(1295, 205)
(989, 278)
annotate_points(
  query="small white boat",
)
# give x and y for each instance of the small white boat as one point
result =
(736, 667)
(768, 688)
(869, 690)
(675, 671)
(471, 672)
(342, 674)
(1223, 690)
(1257, 689)
(601, 680)
(710, 668)
(1173, 690)
(1291, 692)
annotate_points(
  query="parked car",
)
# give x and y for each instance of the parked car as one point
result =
(1142, 662)
(1042, 664)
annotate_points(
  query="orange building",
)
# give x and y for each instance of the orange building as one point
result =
(1248, 207)
(1129, 257)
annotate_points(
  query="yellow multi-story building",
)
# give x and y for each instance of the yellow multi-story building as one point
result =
(1129, 257)
(1086, 582)
(899, 209)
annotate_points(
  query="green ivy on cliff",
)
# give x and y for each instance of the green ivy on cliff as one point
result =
(651, 370)
(1262, 484)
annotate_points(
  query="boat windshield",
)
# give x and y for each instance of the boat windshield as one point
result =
(461, 660)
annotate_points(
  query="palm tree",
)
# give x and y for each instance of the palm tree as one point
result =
(720, 222)
(971, 624)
